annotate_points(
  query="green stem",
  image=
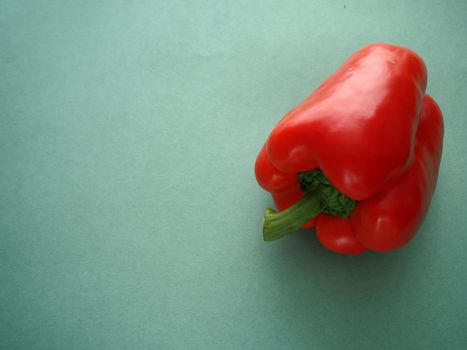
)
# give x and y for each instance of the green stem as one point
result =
(320, 196)
(279, 224)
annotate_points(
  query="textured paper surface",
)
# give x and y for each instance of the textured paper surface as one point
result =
(130, 215)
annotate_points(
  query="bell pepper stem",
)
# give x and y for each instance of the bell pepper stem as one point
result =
(279, 224)
(320, 196)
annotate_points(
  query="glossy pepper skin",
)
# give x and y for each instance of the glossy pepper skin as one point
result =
(376, 136)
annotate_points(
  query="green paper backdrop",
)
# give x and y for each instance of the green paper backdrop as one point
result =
(130, 216)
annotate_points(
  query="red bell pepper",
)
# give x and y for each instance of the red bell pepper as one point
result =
(359, 158)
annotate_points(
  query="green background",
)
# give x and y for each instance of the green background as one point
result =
(130, 214)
